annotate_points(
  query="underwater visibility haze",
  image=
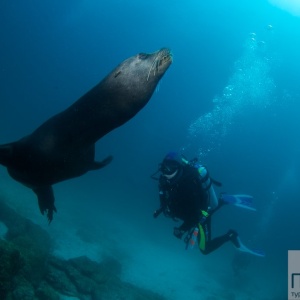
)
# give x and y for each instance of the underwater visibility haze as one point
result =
(230, 98)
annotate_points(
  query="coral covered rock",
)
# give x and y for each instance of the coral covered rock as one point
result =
(29, 270)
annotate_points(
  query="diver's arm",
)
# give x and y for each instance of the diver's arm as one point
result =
(163, 198)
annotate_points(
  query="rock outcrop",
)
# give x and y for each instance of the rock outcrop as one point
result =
(29, 270)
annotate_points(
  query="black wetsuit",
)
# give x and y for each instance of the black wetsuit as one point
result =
(184, 198)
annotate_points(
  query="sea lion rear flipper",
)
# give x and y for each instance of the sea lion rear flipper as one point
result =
(100, 164)
(46, 200)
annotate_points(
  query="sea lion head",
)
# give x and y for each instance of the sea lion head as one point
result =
(131, 84)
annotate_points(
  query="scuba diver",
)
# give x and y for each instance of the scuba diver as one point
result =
(186, 192)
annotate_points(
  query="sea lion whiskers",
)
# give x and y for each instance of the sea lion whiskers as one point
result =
(154, 67)
(162, 56)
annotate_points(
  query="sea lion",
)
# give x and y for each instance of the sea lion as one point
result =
(64, 146)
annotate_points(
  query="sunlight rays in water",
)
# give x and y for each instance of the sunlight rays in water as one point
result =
(291, 6)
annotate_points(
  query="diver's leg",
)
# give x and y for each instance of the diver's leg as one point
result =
(215, 243)
(208, 245)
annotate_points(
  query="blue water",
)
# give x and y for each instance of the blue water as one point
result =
(230, 98)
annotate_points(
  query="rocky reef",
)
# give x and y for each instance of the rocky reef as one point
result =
(30, 271)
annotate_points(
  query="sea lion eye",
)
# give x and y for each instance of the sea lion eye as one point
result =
(117, 74)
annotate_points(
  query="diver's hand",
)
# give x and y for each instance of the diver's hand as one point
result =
(178, 232)
(157, 212)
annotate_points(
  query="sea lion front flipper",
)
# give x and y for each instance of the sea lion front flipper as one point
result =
(46, 200)
(100, 164)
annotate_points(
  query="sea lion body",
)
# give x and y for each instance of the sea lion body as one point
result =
(64, 146)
